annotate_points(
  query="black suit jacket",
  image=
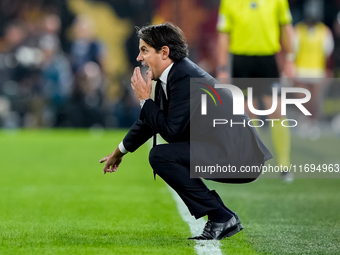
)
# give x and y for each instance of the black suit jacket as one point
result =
(236, 145)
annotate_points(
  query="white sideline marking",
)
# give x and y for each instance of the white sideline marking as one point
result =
(208, 247)
(196, 226)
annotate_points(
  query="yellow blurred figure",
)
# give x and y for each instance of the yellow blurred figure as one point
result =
(253, 25)
(251, 31)
(314, 43)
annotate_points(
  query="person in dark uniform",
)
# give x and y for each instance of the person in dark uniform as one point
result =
(164, 51)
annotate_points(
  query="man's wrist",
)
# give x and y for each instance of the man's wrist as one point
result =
(290, 57)
(122, 149)
(142, 102)
(224, 68)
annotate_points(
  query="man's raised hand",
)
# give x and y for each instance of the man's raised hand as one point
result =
(141, 88)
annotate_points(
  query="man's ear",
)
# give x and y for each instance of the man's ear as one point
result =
(165, 52)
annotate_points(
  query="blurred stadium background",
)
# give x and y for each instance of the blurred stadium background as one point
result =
(67, 64)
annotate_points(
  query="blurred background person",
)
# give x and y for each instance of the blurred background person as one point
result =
(56, 82)
(251, 32)
(313, 45)
(13, 38)
(20, 80)
(51, 25)
(85, 48)
(331, 106)
(87, 55)
(336, 53)
(87, 98)
(10, 73)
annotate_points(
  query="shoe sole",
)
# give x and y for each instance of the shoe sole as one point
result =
(238, 228)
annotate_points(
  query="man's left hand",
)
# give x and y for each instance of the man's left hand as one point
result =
(112, 161)
(141, 88)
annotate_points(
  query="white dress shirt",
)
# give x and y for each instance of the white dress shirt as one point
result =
(164, 77)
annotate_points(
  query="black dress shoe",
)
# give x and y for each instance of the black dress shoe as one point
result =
(238, 221)
(214, 193)
(219, 231)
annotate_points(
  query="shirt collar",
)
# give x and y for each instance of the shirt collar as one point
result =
(164, 76)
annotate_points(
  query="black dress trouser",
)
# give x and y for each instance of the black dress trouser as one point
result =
(172, 163)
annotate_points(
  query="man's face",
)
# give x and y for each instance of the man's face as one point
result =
(150, 58)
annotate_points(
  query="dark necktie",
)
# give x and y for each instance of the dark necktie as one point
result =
(159, 100)
(161, 95)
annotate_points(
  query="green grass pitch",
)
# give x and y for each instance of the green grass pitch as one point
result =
(54, 199)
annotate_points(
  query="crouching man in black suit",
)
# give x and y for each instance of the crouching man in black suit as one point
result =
(164, 51)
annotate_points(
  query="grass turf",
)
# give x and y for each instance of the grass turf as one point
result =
(55, 200)
(300, 218)
(290, 218)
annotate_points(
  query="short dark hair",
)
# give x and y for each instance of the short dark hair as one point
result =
(165, 34)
